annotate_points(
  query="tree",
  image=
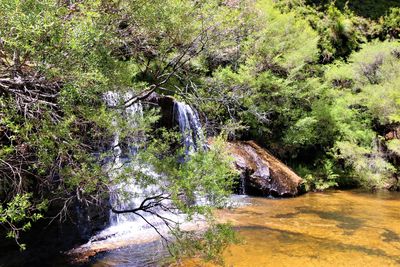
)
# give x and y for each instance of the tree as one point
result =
(305, 81)
(171, 188)
(57, 60)
(367, 100)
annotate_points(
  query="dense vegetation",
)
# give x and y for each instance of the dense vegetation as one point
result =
(317, 84)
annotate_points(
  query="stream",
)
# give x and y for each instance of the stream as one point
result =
(335, 228)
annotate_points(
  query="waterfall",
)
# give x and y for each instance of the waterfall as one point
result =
(189, 126)
(121, 159)
(128, 193)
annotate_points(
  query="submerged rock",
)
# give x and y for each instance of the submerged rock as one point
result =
(261, 173)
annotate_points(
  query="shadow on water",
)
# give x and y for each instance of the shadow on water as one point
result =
(249, 212)
(285, 236)
(339, 228)
(287, 215)
(390, 236)
(343, 221)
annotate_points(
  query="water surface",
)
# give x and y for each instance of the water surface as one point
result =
(338, 228)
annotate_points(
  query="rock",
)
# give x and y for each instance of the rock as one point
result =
(393, 133)
(47, 239)
(261, 173)
(166, 105)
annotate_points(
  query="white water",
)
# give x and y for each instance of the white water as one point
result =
(189, 126)
(124, 194)
(128, 192)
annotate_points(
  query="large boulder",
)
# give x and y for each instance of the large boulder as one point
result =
(261, 173)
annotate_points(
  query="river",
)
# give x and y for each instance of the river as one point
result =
(335, 228)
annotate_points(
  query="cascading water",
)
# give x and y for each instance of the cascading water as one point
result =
(193, 138)
(121, 158)
(127, 193)
(189, 126)
(129, 228)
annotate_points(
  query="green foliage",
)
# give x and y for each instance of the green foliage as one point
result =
(340, 30)
(315, 129)
(283, 41)
(19, 214)
(366, 8)
(369, 166)
(210, 243)
(391, 23)
(323, 177)
(370, 82)
(394, 146)
(251, 67)
(299, 108)
(273, 58)
(367, 94)
(204, 174)
(341, 33)
(194, 184)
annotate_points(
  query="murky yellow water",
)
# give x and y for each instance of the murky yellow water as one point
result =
(340, 228)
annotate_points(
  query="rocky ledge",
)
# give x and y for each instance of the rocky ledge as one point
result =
(262, 174)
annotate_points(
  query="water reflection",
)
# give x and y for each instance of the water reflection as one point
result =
(143, 255)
